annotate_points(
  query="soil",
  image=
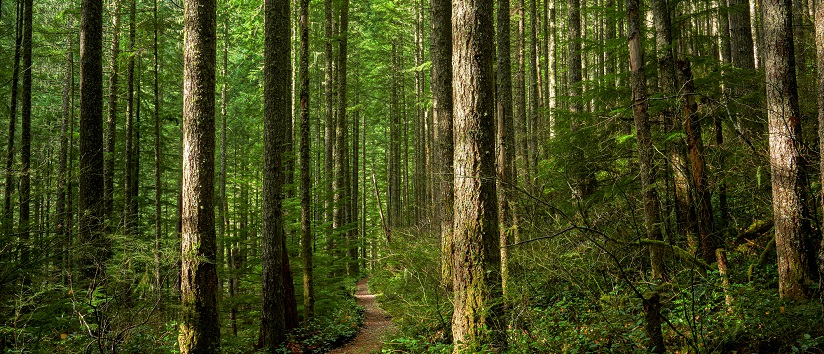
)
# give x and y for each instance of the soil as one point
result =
(376, 324)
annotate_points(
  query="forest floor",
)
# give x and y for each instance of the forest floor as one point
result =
(376, 324)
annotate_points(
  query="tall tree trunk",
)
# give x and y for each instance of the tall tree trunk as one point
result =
(638, 81)
(395, 134)
(580, 184)
(130, 202)
(342, 203)
(8, 212)
(667, 81)
(306, 240)
(534, 94)
(695, 144)
(819, 47)
(504, 139)
(440, 51)
(91, 141)
(477, 321)
(111, 121)
(25, 136)
(792, 225)
(157, 153)
(62, 174)
(276, 116)
(329, 117)
(200, 328)
(519, 95)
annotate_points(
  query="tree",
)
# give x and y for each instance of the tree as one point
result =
(306, 239)
(504, 138)
(199, 329)
(25, 134)
(740, 34)
(91, 140)
(8, 213)
(652, 218)
(819, 46)
(477, 317)
(130, 169)
(111, 121)
(441, 86)
(789, 195)
(276, 116)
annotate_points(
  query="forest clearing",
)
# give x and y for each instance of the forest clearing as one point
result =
(412, 176)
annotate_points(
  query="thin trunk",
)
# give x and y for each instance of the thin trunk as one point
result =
(307, 240)
(25, 137)
(329, 118)
(62, 175)
(8, 212)
(111, 121)
(519, 93)
(638, 81)
(505, 153)
(157, 153)
(819, 46)
(441, 87)
(200, 328)
(702, 194)
(129, 204)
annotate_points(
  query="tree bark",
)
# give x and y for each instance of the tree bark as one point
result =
(703, 196)
(200, 328)
(477, 320)
(276, 116)
(8, 212)
(91, 141)
(111, 121)
(441, 87)
(307, 241)
(787, 165)
(652, 212)
(504, 138)
(25, 136)
(819, 46)
(329, 117)
(129, 199)
(157, 143)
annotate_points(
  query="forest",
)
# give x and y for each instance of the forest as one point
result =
(412, 176)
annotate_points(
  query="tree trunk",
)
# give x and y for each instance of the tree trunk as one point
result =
(329, 118)
(111, 121)
(667, 81)
(478, 319)
(819, 46)
(63, 174)
(441, 87)
(130, 200)
(504, 139)
(652, 212)
(91, 141)
(157, 153)
(200, 328)
(581, 187)
(740, 34)
(791, 216)
(25, 136)
(8, 212)
(276, 116)
(695, 144)
(307, 241)
(519, 95)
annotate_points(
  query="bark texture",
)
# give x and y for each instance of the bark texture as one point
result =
(790, 213)
(652, 212)
(441, 86)
(504, 139)
(200, 328)
(477, 320)
(275, 118)
(306, 239)
(90, 221)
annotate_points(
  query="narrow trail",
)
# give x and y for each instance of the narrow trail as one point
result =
(376, 324)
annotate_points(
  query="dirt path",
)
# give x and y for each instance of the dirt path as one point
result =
(376, 324)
